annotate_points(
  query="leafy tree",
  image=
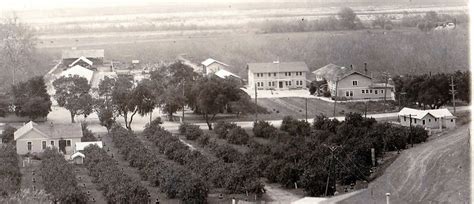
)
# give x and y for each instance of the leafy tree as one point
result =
(238, 136)
(264, 129)
(4, 105)
(31, 98)
(222, 128)
(129, 99)
(172, 87)
(295, 127)
(191, 132)
(87, 135)
(347, 18)
(8, 134)
(462, 80)
(10, 176)
(72, 93)
(382, 21)
(213, 94)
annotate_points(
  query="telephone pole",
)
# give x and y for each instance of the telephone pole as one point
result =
(306, 107)
(256, 106)
(332, 149)
(335, 97)
(386, 75)
(453, 92)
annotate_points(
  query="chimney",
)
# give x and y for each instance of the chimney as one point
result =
(351, 67)
(365, 68)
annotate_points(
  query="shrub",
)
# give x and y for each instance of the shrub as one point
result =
(10, 176)
(225, 152)
(238, 136)
(222, 128)
(419, 134)
(295, 127)
(204, 140)
(263, 129)
(8, 134)
(191, 132)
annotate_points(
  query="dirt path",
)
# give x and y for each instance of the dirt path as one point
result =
(436, 171)
(280, 195)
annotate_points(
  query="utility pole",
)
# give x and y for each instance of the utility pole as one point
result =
(453, 92)
(183, 99)
(411, 136)
(333, 149)
(386, 75)
(306, 107)
(400, 99)
(256, 106)
(335, 97)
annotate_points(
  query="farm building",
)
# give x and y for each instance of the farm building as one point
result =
(210, 66)
(433, 119)
(34, 138)
(75, 56)
(78, 158)
(277, 75)
(79, 71)
(352, 84)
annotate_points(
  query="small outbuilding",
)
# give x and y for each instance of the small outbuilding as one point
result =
(78, 158)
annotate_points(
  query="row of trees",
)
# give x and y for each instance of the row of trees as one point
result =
(299, 152)
(10, 176)
(58, 178)
(116, 186)
(170, 87)
(174, 180)
(431, 91)
(229, 171)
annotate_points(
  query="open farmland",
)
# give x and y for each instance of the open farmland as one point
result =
(400, 51)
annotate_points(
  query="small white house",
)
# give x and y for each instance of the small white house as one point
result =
(210, 66)
(432, 119)
(78, 158)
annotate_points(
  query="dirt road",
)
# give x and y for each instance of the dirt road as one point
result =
(434, 172)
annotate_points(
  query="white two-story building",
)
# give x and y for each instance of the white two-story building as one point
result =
(277, 75)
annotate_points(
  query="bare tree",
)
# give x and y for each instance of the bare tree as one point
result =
(17, 48)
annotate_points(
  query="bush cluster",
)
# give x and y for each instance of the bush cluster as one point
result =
(58, 178)
(222, 128)
(295, 127)
(116, 186)
(238, 136)
(218, 173)
(10, 176)
(192, 132)
(263, 129)
(175, 180)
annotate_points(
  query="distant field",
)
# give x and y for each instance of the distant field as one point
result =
(400, 51)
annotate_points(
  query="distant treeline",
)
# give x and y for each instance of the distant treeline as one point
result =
(425, 22)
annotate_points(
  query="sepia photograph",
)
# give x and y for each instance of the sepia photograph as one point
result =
(235, 101)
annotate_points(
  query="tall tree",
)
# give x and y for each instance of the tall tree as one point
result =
(73, 94)
(17, 49)
(172, 87)
(31, 98)
(129, 99)
(103, 105)
(213, 94)
(347, 18)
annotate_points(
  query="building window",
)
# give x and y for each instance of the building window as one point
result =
(301, 73)
(429, 120)
(370, 90)
(404, 118)
(423, 122)
(354, 83)
(68, 143)
(43, 144)
(297, 83)
(381, 91)
(301, 83)
(289, 83)
(52, 143)
(269, 74)
(286, 73)
(452, 120)
(273, 83)
(415, 121)
(347, 93)
(289, 73)
(351, 93)
(363, 91)
(436, 119)
(275, 74)
(376, 92)
(29, 146)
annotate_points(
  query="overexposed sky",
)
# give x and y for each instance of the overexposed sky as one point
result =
(51, 4)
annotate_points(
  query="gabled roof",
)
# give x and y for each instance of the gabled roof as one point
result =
(209, 61)
(83, 59)
(332, 72)
(73, 54)
(77, 154)
(278, 67)
(50, 130)
(420, 114)
(80, 71)
(82, 145)
(224, 73)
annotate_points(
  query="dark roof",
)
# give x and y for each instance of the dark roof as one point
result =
(74, 54)
(53, 130)
(278, 67)
(331, 72)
